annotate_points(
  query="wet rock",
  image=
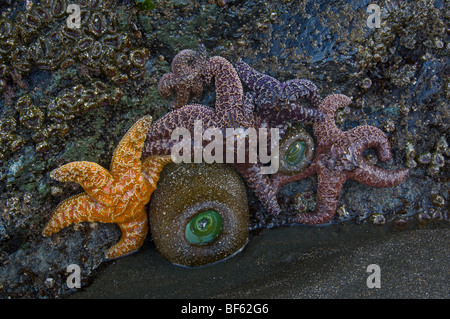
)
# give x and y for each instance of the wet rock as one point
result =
(405, 62)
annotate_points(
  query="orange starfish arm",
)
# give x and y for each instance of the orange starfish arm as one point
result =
(94, 179)
(133, 236)
(76, 209)
(126, 157)
(152, 167)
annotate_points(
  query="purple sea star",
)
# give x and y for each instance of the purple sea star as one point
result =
(279, 102)
(185, 78)
(232, 110)
(338, 157)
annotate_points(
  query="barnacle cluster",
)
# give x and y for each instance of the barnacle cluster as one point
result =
(437, 212)
(433, 159)
(413, 24)
(41, 37)
(32, 118)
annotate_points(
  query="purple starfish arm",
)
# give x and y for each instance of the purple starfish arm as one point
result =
(280, 102)
(159, 137)
(297, 89)
(232, 110)
(184, 79)
(338, 157)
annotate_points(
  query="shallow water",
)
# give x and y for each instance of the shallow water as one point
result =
(295, 262)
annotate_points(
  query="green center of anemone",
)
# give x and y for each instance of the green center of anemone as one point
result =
(295, 153)
(204, 228)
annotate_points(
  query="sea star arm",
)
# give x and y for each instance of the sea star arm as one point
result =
(189, 62)
(76, 209)
(166, 84)
(255, 80)
(133, 236)
(95, 180)
(126, 157)
(375, 176)
(185, 77)
(280, 102)
(302, 89)
(159, 136)
(365, 137)
(229, 93)
(300, 114)
(326, 132)
(152, 167)
(267, 89)
(261, 185)
(279, 180)
(329, 187)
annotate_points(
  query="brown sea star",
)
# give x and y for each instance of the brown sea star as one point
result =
(338, 157)
(115, 196)
(185, 79)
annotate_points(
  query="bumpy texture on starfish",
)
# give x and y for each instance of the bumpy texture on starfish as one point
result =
(185, 78)
(115, 196)
(230, 112)
(278, 102)
(232, 109)
(338, 157)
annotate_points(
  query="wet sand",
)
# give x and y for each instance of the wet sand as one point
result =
(295, 262)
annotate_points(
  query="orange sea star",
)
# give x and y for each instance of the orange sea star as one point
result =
(115, 196)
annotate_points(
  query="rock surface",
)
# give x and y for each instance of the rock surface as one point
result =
(396, 75)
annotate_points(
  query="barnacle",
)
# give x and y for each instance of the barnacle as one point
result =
(79, 99)
(30, 115)
(406, 23)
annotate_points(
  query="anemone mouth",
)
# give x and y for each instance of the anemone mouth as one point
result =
(204, 228)
(296, 151)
